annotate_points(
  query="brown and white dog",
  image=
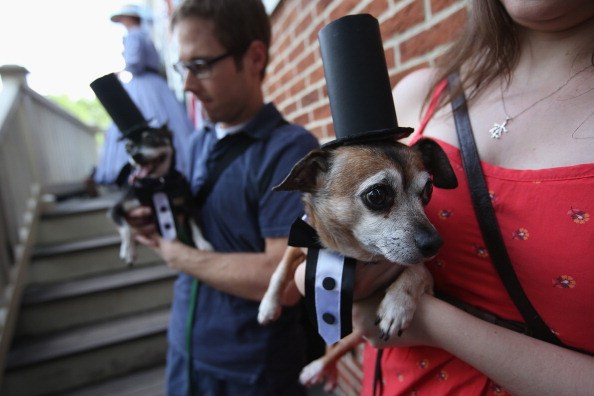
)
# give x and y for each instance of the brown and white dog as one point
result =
(366, 201)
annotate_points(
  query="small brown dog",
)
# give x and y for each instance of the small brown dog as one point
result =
(366, 201)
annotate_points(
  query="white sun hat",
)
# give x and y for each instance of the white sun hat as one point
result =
(132, 10)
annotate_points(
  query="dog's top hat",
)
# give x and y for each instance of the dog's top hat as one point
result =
(120, 107)
(357, 81)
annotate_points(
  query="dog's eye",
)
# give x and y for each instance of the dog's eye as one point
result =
(378, 197)
(427, 192)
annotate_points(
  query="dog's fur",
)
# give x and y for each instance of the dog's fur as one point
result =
(152, 159)
(366, 201)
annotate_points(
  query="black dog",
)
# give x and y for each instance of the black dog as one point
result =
(153, 179)
(155, 182)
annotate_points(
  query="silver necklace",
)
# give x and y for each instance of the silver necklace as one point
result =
(498, 129)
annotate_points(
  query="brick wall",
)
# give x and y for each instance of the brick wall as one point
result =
(414, 32)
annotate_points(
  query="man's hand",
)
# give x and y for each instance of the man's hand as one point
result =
(141, 220)
(144, 230)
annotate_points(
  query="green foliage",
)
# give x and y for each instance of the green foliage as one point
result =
(88, 111)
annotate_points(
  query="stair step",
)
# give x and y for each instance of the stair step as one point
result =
(72, 260)
(49, 308)
(69, 289)
(59, 363)
(67, 228)
(76, 206)
(56, 249)
(76, 219)
(87, 338)
(149, 382)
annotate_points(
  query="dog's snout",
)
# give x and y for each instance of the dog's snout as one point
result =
(428, 242)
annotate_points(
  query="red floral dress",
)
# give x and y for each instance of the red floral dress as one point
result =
(546, 217)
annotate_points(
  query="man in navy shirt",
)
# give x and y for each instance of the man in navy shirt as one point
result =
(223, 52)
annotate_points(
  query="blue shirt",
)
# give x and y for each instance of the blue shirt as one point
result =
(140, 54)
(241, 211)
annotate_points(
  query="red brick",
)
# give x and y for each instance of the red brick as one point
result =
(390, 59)
(437, 35)
(345, 7)
(321, 112)
(301, 120)
(297, 88)
(403, 20)
(304, 63)
(313, 36)
(290, 108)
(440, 5)
(316, 75)
(321, 5)
(375, 8)
(310, 98)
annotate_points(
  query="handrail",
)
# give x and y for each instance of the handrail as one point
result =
(41, 146)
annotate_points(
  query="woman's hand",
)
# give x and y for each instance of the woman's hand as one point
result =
(365, 321)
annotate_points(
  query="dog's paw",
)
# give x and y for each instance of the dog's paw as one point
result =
(395, 314)
(269, 311)
(313, 373)
(127, 246)
(199, 241)
(398, 306)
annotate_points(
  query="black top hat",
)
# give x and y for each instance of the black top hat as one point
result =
(119, 105)
(357, 81)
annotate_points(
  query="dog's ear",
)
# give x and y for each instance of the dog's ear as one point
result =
(304, 175)
(166, 131)
(437, 163)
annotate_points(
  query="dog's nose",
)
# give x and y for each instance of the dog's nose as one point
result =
(428, 242)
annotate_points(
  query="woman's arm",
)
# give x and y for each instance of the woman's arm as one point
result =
(520, 364)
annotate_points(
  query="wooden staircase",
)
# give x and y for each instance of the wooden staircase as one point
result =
(88, 324)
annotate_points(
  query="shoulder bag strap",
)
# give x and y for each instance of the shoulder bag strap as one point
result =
(241, 142)
(485, 214)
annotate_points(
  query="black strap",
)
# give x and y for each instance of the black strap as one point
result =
(378, 378)
(238, 144)
(485, 214)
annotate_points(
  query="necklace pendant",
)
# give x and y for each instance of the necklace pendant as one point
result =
(498, 129)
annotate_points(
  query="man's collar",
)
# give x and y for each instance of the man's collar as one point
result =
(262, 124)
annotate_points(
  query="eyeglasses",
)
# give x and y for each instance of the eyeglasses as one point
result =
(200, 68)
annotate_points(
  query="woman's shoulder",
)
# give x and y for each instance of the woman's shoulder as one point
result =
(410, 94)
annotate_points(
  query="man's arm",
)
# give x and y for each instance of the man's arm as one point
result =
(241, 274)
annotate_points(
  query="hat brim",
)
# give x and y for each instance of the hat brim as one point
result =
(396, 133)
(118, 17)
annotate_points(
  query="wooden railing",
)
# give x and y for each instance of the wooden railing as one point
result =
(41, 146)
